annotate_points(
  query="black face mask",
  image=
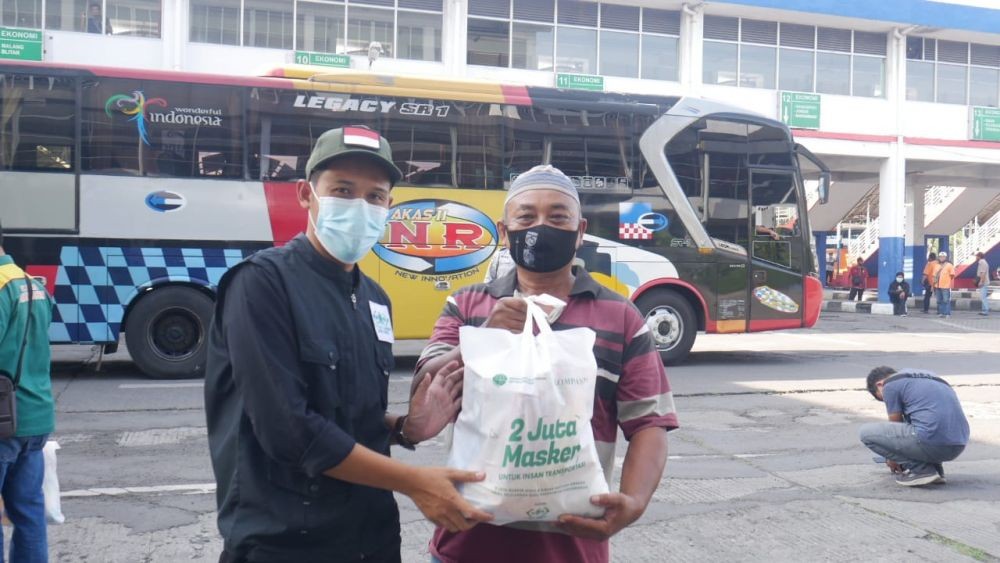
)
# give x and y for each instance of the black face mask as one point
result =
(543, 248)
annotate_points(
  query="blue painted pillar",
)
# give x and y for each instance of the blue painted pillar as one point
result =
(943, 244)
(821, 255)
(919, 261)
(891, 217)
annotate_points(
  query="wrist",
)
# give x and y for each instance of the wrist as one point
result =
(400, 435)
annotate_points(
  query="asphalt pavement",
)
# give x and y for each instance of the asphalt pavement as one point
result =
(766, 466)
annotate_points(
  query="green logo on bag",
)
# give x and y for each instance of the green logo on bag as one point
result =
(538, 512)
(499, 380)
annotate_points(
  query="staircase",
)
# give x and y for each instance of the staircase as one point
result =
(937, 199)
(980, 239)
(865, 244)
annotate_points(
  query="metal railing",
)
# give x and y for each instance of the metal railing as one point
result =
(937, 199)
(981, 238)
(865, 244)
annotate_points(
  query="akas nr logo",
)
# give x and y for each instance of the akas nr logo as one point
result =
(434, 236)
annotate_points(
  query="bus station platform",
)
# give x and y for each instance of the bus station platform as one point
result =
(835, 301)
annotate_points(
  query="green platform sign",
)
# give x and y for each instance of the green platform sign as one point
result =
(20, 44)
(800, 110)
(322, 59)
(985, 124)
(580, 82)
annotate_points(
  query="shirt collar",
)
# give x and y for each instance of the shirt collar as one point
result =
(505, 286)
(345, 280)
(6, 259)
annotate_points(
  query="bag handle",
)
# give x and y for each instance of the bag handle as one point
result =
(27, 325)
(536, 315)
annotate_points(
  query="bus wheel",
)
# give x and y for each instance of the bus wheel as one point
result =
(672, 322)
(167, 332)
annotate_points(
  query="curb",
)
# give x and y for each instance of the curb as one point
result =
(872, 307)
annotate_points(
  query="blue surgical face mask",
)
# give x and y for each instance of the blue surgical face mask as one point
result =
(347, 228)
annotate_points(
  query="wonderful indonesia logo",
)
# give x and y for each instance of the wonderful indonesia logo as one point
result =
(137, 106)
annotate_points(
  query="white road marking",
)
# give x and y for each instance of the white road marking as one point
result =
(160, 436)
(825, 339)
(192, 489)
(162, 385)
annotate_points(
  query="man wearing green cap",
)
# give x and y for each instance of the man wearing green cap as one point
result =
(296, 387)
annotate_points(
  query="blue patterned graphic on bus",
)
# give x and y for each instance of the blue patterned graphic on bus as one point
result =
(94, 285)
(638, 221)
(164, 201)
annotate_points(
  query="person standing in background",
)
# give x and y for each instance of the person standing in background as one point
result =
(983, 282)
(930, 273)
(859, 279)
(943, 281)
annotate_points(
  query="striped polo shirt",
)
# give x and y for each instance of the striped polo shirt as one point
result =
(632, 393)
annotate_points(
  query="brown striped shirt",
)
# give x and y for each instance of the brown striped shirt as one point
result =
(632, 393)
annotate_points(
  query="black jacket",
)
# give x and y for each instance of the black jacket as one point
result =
(296, 376)
(895, 287)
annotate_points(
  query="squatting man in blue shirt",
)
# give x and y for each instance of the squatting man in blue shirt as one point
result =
(296, 385)
(926, 427)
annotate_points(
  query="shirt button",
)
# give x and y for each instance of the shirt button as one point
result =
(314, 487)
(306, 503)
(303, 532)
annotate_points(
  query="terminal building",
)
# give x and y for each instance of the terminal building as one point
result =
(898, 97)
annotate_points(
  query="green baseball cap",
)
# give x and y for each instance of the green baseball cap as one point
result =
(355, 140)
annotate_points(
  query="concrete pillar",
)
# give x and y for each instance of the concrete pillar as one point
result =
(944, 245)
(892, 173)
(915, 251)
(455, 37)
(690, 49)
(821, 255)
(891, 219)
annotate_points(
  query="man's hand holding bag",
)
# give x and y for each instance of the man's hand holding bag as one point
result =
(525, 420)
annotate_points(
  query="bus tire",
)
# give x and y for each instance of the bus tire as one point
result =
(672, 322)
(167, 332)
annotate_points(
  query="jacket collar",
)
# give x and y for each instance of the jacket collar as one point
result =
(347, 281)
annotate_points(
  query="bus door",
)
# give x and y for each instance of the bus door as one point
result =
(777, 251)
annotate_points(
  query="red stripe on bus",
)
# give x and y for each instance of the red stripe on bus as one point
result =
(287, 217)
(47, 272)
(812, 301)
(666, 282)
(516, 95)
(167, 75)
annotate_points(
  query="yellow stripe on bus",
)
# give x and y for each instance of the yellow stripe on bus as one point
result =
(354, 82)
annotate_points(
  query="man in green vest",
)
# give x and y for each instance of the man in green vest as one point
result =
(21, 464)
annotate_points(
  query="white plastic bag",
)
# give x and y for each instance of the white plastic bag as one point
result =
(50, 485)
(525, 421)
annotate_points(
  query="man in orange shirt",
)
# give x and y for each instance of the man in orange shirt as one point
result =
(930, 272)
(944, 279)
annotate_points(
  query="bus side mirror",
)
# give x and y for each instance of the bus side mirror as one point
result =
(824, 187)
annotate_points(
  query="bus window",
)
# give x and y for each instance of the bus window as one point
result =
(476, 133)
(151, 128)
(776, 218)
(284, 126)
(769, 146)
(421, 147)
(599, 159)
(37, 126)
(524, 140)
(724, 157)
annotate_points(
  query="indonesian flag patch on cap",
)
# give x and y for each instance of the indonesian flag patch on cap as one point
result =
(361, 137)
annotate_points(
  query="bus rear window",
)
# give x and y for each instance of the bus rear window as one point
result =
(37, 116)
